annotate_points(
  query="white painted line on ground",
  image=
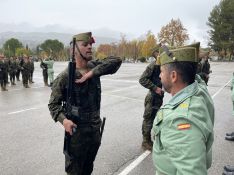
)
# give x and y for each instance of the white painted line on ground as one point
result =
(137, 161)
(122, 89)
(213, 96)
(118, 96)
(27, 88)
(23, 110)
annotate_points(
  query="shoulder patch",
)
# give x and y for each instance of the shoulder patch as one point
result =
(183, 126)
(184, 105)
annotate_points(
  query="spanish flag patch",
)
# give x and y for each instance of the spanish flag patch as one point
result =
(183, 126)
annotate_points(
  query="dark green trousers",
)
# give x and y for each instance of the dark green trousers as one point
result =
(84, 147)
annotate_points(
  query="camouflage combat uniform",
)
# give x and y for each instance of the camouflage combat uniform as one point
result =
(204, 70)
(150, 79)
(44, 72)
(3, 74)
(25, 68)
(85, 141)
(17, 69)
(31, 70)
(12, 70)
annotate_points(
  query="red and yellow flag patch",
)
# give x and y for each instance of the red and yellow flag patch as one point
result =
(183, 126)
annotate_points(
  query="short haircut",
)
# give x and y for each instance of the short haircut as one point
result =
(187, 70)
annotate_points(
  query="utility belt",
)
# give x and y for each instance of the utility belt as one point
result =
(80, 117)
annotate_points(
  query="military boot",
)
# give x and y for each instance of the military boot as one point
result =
(230, 138)
(26, 86)
(228, 173)
(230, 134)
(229, 168)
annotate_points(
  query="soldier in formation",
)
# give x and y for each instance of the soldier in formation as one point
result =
(204, 67)
(150, 79)
(44, 72)
(31, 70)
(183, 127)
(12, 70)
(25, 70)
(3, 73)
(85, 141)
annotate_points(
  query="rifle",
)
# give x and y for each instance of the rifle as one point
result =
(69, 99)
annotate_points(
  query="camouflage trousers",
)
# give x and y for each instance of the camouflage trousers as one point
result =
(152, 104)
(84, 147)
(25, 77)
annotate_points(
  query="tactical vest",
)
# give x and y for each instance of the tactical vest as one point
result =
(87, 99)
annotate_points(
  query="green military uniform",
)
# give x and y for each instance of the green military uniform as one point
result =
(25, 70)
(44, 72)
(85, 141)
(50, 70)
(31, 70)
(3, 74)
(12, 70)
(204, 68)
(183, 127)
(150, 79)
(18, 68)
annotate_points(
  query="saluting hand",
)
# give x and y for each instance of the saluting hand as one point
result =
(69, 125)
(85, 77)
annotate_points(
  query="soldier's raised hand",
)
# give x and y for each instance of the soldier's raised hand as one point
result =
(85, 77)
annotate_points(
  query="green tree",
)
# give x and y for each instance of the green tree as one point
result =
(22, 51)
(52, 48)
(221, 22)
(10, 47)
(173, 33)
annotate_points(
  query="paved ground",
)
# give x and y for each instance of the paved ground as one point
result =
(31, 143)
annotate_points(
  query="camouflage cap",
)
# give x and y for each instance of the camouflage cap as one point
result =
(187, 53)
(86, 37)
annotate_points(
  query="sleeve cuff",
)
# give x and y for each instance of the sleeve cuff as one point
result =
(61, 117)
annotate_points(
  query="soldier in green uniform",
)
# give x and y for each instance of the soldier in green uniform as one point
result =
(85, 141)
(12, 70)
(25, 69)
(3, 73)
(150, 79)
(229, 169)
(183, 128)
(50, 70)
(31, 70)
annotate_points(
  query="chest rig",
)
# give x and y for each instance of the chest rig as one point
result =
(87, 99)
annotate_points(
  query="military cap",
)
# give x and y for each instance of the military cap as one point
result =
(189, 53)
(86, 37)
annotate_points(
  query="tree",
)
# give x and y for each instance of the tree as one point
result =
(52, 48)
(149, 44)
(222, 27)
(10, 47)
(22, 51)
(173, 33)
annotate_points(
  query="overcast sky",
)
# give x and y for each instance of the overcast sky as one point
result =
(133, 17)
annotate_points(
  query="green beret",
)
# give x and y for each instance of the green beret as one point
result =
(86, 37)
(187, 53)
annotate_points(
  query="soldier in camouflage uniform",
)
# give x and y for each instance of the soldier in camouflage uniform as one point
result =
(17, 69)
(31, 62)
(85, 141)
(25, 68)
(3, 73)
(44, 72)
(150, 79)
(12, 70)
(204, 67)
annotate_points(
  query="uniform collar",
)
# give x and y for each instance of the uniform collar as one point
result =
(182, 95)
